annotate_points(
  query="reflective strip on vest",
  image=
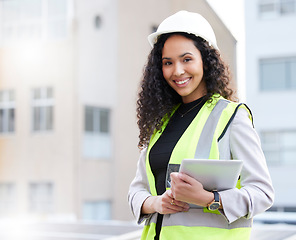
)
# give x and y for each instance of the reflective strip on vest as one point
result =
(205, 220)
(205, 140)
(185, 225)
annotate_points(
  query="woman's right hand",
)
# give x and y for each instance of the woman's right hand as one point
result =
(164, 204)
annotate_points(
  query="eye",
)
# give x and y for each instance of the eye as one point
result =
(167, 63)
(187, 59)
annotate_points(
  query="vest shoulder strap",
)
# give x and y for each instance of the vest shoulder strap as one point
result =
(232, 117)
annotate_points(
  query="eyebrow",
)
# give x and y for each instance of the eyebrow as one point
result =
(182, 55)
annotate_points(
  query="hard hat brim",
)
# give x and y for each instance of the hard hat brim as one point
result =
(153, 37)
(187, 22)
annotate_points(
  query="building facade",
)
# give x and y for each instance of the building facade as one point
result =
(271, 89)
(69, 76)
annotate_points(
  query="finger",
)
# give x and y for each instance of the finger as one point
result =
(175, 207)
(179, 206)
(186, 178)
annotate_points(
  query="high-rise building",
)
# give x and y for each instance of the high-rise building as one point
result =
(69, 75)
(271, 89)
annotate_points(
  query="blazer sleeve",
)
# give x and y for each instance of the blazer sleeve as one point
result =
(139, 189)
(257, 193)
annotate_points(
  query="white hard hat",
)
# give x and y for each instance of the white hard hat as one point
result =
(187, 22)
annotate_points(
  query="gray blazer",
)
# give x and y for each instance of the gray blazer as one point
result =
(256, 195)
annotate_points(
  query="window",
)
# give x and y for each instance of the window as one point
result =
(278, 74)
(7, 111)
(287, 7)
(279, 147)
(41, 197)
(42, 101)
(274, 8)
(97, 210)
(97, 137)
(7, 197)
(32, 19)
(267, 8)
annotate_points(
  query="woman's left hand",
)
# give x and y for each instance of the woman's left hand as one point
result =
(186, 189)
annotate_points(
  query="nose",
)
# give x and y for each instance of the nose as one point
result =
(178, 70)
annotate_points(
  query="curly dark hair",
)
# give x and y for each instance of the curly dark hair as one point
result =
(157, 99)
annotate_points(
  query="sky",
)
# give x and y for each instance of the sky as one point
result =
(231, 13)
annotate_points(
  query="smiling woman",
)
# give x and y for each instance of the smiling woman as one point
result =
(185, 110)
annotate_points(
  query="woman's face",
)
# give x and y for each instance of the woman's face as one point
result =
(182, 68)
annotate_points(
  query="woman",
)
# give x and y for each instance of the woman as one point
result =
(186, 110)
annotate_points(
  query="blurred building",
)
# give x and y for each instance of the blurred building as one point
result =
(271, 89)
(69, 75)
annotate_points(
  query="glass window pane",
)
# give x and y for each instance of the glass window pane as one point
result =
(2, 120)
(97, 140)
(89, 120)
(57, 8)
(11, 95)
(36, 118)
(11, 120)
(293, 74)
(287, 6)
(43, 109)
(96, 120)
(49, 93)
(97, 146)
(41, 197)
(37, 93)
(266, 7)
(104, 121)
(7, 197)
(97, 210)
(49, 118)
(273, 75)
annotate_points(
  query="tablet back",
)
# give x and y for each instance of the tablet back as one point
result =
(213, 174)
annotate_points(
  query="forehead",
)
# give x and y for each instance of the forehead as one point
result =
(178, 44)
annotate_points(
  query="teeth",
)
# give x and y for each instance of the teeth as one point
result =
(183, 81)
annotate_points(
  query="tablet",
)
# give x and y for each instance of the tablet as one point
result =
(213, 174)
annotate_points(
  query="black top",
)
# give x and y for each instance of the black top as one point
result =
(160, 153)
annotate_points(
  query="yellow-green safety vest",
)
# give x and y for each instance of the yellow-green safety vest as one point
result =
(200, 140)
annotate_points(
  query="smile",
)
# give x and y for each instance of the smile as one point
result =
(181, 82)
